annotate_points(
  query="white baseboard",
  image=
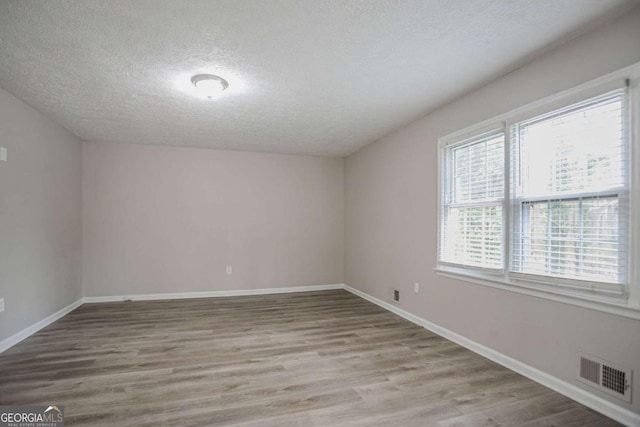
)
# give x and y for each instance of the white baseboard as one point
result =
(213, 294)
(611, 410)
(14, 339)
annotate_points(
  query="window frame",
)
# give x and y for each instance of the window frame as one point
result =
(575, 292)
(622, 194)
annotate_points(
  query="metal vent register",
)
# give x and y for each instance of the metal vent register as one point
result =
(605, 376)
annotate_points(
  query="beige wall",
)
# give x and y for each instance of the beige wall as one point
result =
(164, 220)
(40, 217)
(391, 223)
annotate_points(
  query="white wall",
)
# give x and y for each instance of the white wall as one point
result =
(391, 223)
(166, 220)
(40, 217)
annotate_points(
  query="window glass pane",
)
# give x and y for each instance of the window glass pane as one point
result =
(572, 152)
(576, 239)
(478, 170)
(473, 236)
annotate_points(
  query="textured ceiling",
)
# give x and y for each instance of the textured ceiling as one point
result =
(306, 76)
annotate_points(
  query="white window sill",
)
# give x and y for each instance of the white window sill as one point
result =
(607, 305)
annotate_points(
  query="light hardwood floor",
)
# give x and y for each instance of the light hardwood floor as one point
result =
(305, 359)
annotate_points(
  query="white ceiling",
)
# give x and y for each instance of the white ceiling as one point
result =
(306, 76)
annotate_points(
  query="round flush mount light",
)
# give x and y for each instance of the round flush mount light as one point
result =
(209, 85)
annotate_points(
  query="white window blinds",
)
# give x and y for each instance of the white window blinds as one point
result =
(472, 217)
(569, 179)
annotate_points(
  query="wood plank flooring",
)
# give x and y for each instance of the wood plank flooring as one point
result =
(306, 359)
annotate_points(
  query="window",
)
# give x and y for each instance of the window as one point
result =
(542, 201)
(474, 196)
(570, 190)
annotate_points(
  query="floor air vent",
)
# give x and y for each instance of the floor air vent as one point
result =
(605, 376)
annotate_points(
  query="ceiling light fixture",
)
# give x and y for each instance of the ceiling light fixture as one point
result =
(209, 85)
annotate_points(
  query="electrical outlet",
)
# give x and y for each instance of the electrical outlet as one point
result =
(229, 270)
(396, 295)
(416, 287)
(1, 305)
